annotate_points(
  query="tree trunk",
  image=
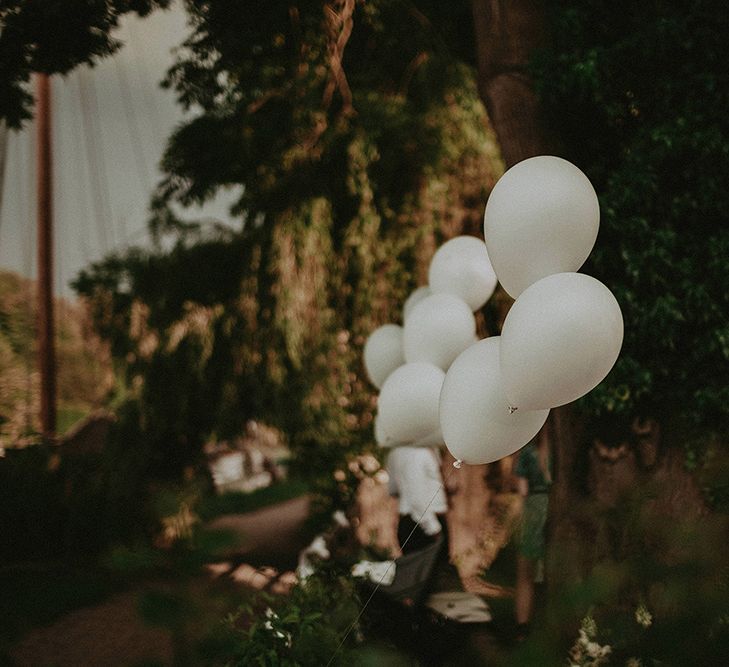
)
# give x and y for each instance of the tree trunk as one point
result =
(507, 34)
(585, 490)
(3, 158)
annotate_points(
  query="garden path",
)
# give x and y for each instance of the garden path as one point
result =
(113, 633)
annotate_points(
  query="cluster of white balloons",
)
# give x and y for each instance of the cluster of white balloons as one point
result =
(408, 363)
(486, 399)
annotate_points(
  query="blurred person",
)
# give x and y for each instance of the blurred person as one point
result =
(415, 479)
(534, 479)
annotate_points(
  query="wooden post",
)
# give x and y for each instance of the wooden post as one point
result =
(46, 347)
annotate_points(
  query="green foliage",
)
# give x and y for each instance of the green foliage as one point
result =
(53, 37)
(659, 593)
(83, 363)
(639, 95)
(279, 117)
(302, 628)
(191, 364)
(348, 178)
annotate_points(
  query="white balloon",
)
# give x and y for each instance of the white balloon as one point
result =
(541, 218)
(381, 437)
(438, 329)
(433, 439)
(474, 411)
(383, 353)
(559, 340)
(413, 300)
(462, 267)
(408, 403)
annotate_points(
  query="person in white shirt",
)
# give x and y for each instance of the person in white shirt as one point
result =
(415, 478)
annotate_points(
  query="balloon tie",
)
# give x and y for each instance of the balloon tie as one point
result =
(512, 409)
(457, 464)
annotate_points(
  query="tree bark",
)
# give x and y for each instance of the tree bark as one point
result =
(508, 32)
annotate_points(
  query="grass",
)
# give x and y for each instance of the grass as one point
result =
(68, 416)
(239, 503)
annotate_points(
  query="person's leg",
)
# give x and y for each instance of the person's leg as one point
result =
(445, 575)
(524, 594)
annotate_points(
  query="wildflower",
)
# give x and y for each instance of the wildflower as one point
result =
(271, 615)
(585, 652)
(340, 518)
(179, 526)
(595, 651)
(643, 616)
(633, 662)
(589, 626)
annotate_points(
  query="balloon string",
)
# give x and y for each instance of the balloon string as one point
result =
(441, 487)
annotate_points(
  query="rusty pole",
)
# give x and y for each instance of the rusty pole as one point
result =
(46, 347)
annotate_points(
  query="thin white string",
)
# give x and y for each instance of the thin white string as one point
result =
(392, 562)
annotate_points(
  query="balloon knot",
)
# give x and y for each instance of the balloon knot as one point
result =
(457, 464)
(512, 409)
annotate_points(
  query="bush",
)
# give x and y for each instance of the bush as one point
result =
(303, 628)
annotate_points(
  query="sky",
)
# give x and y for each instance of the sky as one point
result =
(110, 125)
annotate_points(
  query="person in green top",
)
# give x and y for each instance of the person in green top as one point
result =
(534, 478)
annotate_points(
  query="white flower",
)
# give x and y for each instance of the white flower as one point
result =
(643, 616)
(318, 547)
(340, 518)
(594, 650)
(633, 662)
(585, 652)
(589, 626)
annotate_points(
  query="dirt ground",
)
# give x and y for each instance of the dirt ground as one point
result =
(113, 633)
(110, 634)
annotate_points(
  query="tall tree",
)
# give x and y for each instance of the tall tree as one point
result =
(359, 142)
(507, 36)
(636, 98)
(53, 37)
